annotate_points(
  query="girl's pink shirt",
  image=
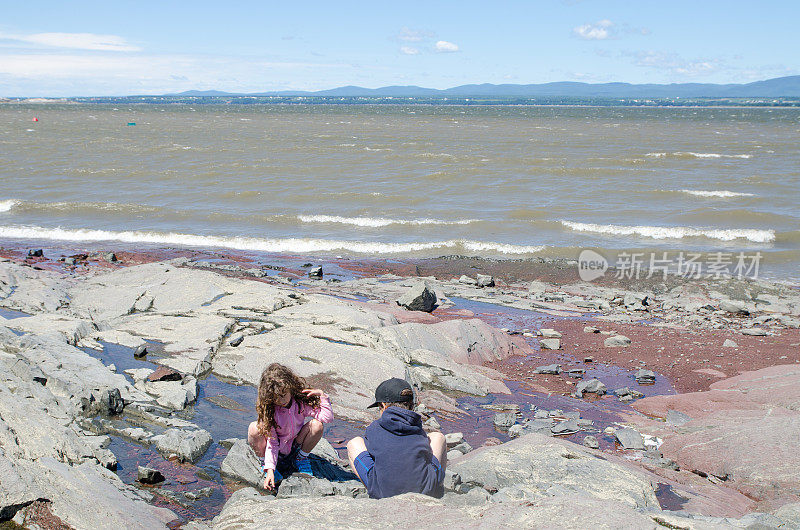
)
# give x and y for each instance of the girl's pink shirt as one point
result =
(288, 422)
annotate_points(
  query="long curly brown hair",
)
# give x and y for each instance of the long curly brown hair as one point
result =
(276, 380)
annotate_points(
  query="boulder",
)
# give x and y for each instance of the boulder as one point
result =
(645, 377)
(734, 306)
(729, 344)
(242, 464)
(591, 442)
(505, 419)
(466, 280)
(188, 446)
(593, 386)
(552, 369)
(629, 438)
(148, 475)
(315, 273)
(550, 344)
(550, 333)
(484, 280)
(418, 298)
(617, 341)
(755, 332)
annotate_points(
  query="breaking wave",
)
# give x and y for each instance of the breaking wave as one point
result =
(675, 232)
(721, 193)
(378, 222)
(8, 204)
(298, 245)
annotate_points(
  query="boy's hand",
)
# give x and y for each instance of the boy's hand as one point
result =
(269, 480)
(313, 392)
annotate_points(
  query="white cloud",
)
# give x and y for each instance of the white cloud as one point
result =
(675, 64)
(79, 41)
(413, 35)
(445, 47)
(408, 50)
(600, 30)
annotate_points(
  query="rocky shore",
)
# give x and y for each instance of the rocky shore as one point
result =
(127, 381)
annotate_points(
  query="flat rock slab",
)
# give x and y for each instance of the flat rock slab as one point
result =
(550, 344)
(552, 369)
(617, 341)
(188, 446)
(629, 438)
(593, 386)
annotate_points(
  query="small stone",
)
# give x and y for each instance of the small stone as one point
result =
(516, 430)
(141, 351)
(609, 430)
(644, 376)
(69, 261)
(236, 339)
(588, 359)
(591, 442)
(590, 329)
(432, 424)
(552, 369)
(315, 273)
(485, 280)
(462, 448)
(550, 344)
(466, 280)
(110, 257)
(617, 341)
(756, 332)
(550, 333)
(112, 401)
(577, 373)
(35, 253)
(729, 344)
(148, 475)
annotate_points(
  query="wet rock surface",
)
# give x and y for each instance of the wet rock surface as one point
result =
(190, 321)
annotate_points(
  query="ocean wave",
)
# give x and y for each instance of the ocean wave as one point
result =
(691, 154)
(298, 245)
(374, 222)
(6, 205)
(675, 232)
(721, 193)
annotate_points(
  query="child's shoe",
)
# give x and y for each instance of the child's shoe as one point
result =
(303, 465)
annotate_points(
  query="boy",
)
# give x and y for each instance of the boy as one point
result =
(395, 455)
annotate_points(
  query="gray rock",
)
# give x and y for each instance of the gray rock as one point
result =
(466, 280)
(591, 329)
(617, 341)
(576, 373)
(548, 369)
(35, 253)
(734, 306)
(516, 430)
(729, 344)
(550, 344)
(236, 339)
(550, 333)
(677, 418)
(69, 261)
(591, 442)
(627, 394)
(242, 464)
(505, 419)
(462, 448)
(418, 298)
(304, 486)
(188, 446)
(755, 332)
(629, 438)
(593, 386)
(635, 301)
(644, 376)
(148, 475)
(432, 423)
(140, 351)
(485, 280)
(110, 257)
(452, 481)
(565, 427)
(112, 401)
(315, 273)
(453, 438)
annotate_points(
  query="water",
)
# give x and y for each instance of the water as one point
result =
(407, 181)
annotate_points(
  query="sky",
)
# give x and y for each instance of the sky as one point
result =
(115, 48)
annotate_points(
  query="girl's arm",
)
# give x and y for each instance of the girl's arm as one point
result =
(271, 452)
(325, 412)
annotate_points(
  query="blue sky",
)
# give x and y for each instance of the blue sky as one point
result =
(71, 48)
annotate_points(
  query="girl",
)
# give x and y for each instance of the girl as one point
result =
(279, 434)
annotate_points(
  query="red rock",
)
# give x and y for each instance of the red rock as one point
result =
(162, 373)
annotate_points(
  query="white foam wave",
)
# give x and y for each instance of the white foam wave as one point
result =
(298, 245)
(716, 193)
(692, 154)
(8, 204)
(374, 222)
(675, 232)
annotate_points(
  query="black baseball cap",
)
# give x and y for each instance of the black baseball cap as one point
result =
(390, 391)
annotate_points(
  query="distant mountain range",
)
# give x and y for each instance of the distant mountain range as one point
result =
(771, 88)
